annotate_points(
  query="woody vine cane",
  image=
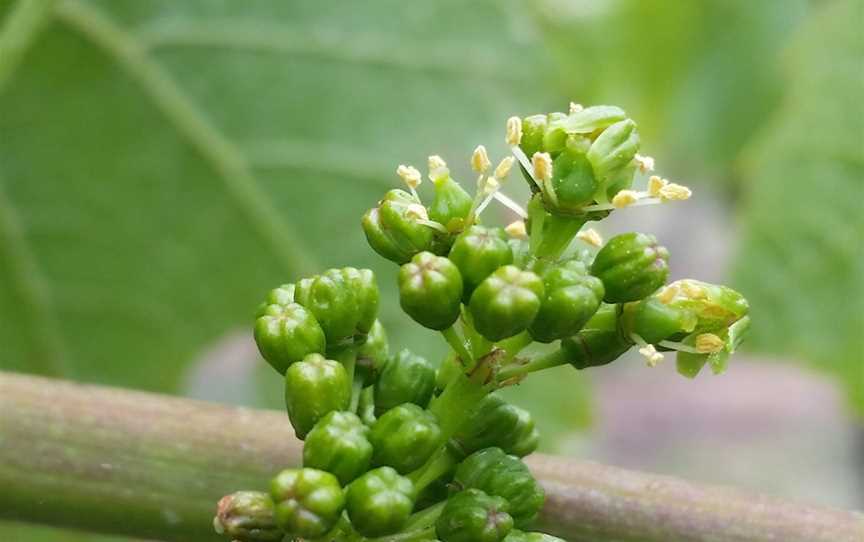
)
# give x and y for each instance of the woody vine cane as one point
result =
(399, 448)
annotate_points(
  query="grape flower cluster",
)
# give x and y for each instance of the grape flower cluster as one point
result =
(399, 448)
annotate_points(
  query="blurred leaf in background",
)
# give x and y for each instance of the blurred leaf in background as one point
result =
(801, 262)
(699, 77)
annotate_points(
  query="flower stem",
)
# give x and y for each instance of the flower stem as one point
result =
(546, 361)
(458, 345)
(437, 466)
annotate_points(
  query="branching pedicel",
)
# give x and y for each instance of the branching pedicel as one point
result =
(400, 449)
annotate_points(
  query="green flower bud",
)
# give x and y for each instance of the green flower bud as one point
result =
(506, 302)
(344, 301)
(572, 296)
(372, 354)
(308, 501)
(497, 423)
(573, 183)
(405, 378)
(247, 516)
(521, 536)
(392, 228)
(655, 321)
(614, 149)
(379, 502)
(286, 334)
(404, 438)
(339, 444)
(430, 290)
(473, 516)
(600, 342)
(715, 307)
(315, 387)
(533, 132)
(361, 282)
(501, 475)
(632, 266)
(282, 295)
(555, 135)
(590, 119)
(478, 252)
(451, 204)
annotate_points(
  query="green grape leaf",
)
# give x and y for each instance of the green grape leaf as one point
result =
(163, 164)
(801, 261)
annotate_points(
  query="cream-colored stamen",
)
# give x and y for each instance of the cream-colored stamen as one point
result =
(591, 237)
(437, 167)
(667, 294)
(655, 184)
(517, 229)
(674, 191)
(410, 176)
(514, 131)
(645, 163)
(542, 163)
(504, 168)
(651, 355)
(480, 160)
(491, 185)
(416, 211)
(708, 343)
(625, 198)
(575, 108)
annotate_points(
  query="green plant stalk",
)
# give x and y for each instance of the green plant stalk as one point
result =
(459, 398)
(437, 466)
(152, 466)
(559, 232)
(545, 361)
(458, 345)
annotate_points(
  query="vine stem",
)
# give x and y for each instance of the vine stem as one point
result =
(151, 466)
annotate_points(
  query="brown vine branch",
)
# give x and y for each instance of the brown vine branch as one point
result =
(152, 466)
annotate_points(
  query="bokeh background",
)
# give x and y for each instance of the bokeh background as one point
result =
(163, 163)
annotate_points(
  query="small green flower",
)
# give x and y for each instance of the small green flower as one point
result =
(339, 444)
(404, 438)
(632, 266)
(473, 516)
(379, 502)
(281, 295)
(599, 342)
(315, 387)
(405, 378)
(451, 204)
(344, 301)
(571, 297)
(506, 303)
(286, 334)
(430, 290)
(247, 516)
(478, 252)
(394, 230)
(309, 502)
(614, 150)
(501, 475)
(497, 423)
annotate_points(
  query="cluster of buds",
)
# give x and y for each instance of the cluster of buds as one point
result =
(401, 448)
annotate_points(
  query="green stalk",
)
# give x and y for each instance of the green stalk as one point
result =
(559, 232)
(546, 361)
(458, 345)
(459, 398)
(356, 391)
(413, 536)
(437, 466)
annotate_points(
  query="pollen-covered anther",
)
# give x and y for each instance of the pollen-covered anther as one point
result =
(416, 211)
(410, 176)
(517, 230)
(708, 343)
(651, 355)
(542, 163)
(625, 198)
(590, 236)
(674, 191)
(514, 131)
(575, 108)
(645, 163)
(667, 294)
(437, 167)
(504, 168)
(480, 160)
(693, 291)
(655, 184)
